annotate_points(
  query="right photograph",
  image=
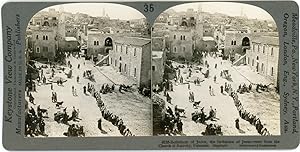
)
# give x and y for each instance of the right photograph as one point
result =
(215, 71)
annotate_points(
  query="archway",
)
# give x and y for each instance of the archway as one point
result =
(46, 23)
(108, 42)
(184, 23)
(246, 41)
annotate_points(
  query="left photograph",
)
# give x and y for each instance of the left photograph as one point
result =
(88, 72)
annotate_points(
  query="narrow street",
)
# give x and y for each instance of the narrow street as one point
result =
(132, 107)
(226, 111)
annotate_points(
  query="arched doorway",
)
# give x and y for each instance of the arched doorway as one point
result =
(108, 42)
(245, 44)
(184, 23)
(46, 23)
(245, 41)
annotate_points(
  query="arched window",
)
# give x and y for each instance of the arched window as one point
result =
(37, 50)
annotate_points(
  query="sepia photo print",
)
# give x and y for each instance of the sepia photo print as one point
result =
(88, 72)
(215, 71)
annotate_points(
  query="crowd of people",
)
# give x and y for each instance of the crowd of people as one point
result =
(251, 118)
(201, 117)
(34, 121)
(109, 116)
(172, 123)
(212, 129)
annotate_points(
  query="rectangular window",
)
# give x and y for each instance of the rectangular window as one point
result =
(183, 48)
(37, 37)
(174, 37)
(95, 43)
(272, 71)
(134, 72)
(134, 52)
(272, 52)
(174, 50)
(153, 68)
(126, 50)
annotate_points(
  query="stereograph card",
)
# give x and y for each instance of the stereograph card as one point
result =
(150, 75)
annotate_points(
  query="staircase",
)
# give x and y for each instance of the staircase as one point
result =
(100, 63)
(240, 61)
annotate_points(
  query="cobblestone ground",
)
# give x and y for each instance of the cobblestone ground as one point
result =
(133, 108)
(265, 105)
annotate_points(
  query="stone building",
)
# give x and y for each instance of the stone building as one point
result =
(157, 67)
(47, 30)
(44, 44)
(236, 42)
(131, 56)
(208, 44)
(263, 57)
(181, 43)
(98, 43)
(183, 33)
(70, 44)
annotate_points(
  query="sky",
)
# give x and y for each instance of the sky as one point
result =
(114, 11)
(117, 11)
(231, 9)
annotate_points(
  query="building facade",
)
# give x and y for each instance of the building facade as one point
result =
(263, 57)
(99, 43)
(236, 42)
(46, 30)
(181, 44)
(157, 67)
(131, 56)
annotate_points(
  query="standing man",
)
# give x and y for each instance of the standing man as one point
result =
(221, 89)
(100, 124)
(237, 125)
